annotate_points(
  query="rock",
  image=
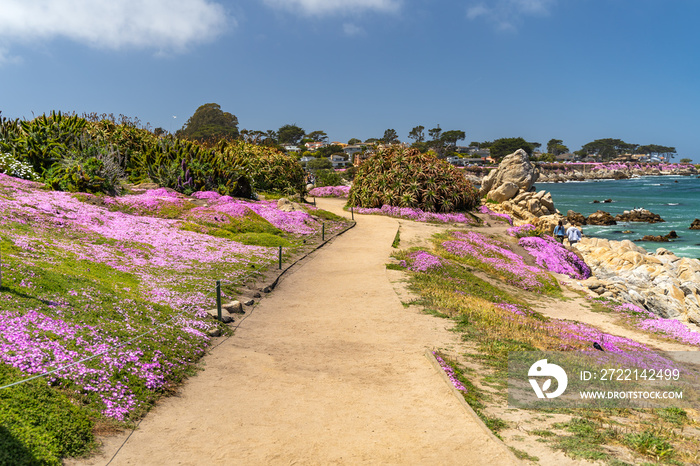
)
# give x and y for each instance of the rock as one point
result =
(575, 218)
(592, 283)
(639, 215)
(514, 168)
(607, 201)
(250, 302)
(214, 332)
(695, 225)
(504, 192)
(600, 217)
(225, 318)
(267, 289)
(234, 307)
(285, 205)
(257, 295)
(665, 238)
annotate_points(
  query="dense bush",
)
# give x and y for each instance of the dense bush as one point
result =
(97, 154)
(269, 170)
(11, 166)
(407, 178)
(328, 178)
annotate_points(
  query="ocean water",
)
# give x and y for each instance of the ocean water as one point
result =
(675, 198)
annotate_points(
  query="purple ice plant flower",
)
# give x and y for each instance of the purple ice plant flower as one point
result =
(450, 373)
(485, 210)
(415, 214)
(330, 191)
(498, 256)
(424, 261)
(554, 257)
(520, 231)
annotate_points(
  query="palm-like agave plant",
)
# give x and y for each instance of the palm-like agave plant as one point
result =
(408, 178)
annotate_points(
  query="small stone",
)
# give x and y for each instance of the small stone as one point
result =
(257, 295)
(215, 332)
(250, 302)
(267, 289)
(234, 307)
(226, 318)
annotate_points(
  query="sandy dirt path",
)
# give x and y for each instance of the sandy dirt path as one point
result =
(328, 369)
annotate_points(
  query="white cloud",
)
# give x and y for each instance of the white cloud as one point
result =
(164, 25)
(329, 7)
(505, 15)
(353, 30)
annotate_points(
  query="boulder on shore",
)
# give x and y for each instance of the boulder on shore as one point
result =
(659, 282)
(575, 218)
(695, 225)
(665, 238)
(600, 217)
(514, 168)
(639, 215)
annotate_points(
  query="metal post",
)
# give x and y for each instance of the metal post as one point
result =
(323, 232)
(352, 212)
(280, 257)
(218, 298)
(314, 202)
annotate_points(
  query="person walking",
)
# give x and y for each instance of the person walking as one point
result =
(559, 232)
(574, 235)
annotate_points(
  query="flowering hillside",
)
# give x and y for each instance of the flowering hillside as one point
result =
(112, 292)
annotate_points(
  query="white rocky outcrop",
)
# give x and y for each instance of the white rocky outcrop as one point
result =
(661, 282)
(514, 168)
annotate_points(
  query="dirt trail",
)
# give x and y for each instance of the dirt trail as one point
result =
(328, 369)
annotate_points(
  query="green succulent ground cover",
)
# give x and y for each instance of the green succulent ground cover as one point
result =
(68, 291)
(494, 320)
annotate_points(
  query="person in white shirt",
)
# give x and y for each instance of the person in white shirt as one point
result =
(574, 235)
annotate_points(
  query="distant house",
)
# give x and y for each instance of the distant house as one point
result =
(455, 160)
(312, 146)
(291, 148)
(340, 160)
(353, 149)
(306, 158)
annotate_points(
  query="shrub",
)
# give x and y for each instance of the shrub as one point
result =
(12, 167)
(407, 178)
(269, 170)
(328, 178)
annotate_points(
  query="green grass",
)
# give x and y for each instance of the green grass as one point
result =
(586, 440)
(523, 455)
(40, 425)
(397, 239)
(650, 444)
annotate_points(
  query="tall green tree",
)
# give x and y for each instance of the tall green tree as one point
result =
(450, 138)
(435, 133)
(556, 147)
(504, 146)
(353, 141)
(417, 134)
(209, 122)
(608, 148)
(390, 136)
(290, 134)
(318, 136)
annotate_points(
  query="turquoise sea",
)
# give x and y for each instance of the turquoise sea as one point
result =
(675, 198)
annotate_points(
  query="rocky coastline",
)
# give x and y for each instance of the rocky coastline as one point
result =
(660, 281)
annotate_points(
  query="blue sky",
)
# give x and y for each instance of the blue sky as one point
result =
(575, 70)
